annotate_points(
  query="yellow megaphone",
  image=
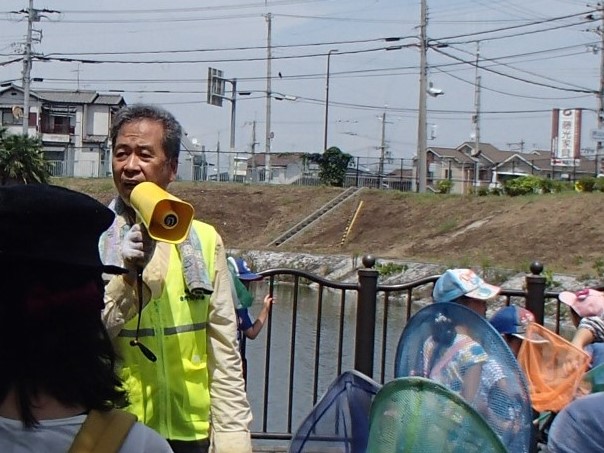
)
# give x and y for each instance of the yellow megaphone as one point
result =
(166, 217)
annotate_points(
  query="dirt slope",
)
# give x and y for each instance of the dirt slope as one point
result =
(563, 231)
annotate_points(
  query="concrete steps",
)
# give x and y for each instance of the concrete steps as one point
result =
(315, 216)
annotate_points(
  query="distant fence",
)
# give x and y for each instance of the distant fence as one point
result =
(76, 168)
(366, 343)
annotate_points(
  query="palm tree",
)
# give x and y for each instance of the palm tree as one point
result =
(21, 160)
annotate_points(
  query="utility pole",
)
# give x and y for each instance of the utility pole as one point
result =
(422, 164)
(326, 122)
(218, 159)
(32, 16)
(233, 127)
(254, 143)
(382, 151)
(476, 153)
(268, 135)
(600, 113)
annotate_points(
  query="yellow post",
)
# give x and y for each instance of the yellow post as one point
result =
(351, 223)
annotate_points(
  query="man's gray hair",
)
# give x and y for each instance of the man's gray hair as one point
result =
(136, 112)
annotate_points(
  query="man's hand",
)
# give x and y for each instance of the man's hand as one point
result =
(137, 247)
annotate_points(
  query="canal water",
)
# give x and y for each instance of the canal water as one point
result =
(293, 346)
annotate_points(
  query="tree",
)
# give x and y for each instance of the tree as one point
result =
(21, 160)
(332, 165)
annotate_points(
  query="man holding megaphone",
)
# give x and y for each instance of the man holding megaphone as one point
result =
(172, 316)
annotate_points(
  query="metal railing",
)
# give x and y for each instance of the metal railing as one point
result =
(362, 333)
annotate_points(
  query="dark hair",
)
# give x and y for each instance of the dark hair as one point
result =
(443, 330)
(54, 340)
(138, 112)
(443, 333)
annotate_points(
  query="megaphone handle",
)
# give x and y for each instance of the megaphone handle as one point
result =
(139, 288)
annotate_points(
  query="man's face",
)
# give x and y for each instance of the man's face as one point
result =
(138, 156)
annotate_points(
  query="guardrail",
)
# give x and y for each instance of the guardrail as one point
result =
(361, 333)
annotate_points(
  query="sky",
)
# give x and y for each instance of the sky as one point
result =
(533, 57)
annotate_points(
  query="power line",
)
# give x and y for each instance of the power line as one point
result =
(518, 79)
(215, 60)
(513, 27)
(228, 49)
(521, 70)
(374, 72)
(469, 82)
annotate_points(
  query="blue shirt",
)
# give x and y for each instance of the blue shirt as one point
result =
(244, 321)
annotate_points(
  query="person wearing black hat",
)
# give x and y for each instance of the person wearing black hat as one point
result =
(58, 363)
(185, 374)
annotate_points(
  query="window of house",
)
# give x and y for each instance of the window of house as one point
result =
(58, 124)
(9, 119)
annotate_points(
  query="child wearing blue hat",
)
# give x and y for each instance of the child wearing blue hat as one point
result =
(242, 275)
(512, 322)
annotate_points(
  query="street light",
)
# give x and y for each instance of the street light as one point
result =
(275, 95)
(233, 100)
(327, 100)
(216, 94)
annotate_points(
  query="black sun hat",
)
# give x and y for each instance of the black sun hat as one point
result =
(41, 224)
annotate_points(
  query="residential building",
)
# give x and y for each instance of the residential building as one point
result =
(286, 168)
(73, 126)
(490, 167)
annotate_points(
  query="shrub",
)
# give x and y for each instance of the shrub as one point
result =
(550, 281)
(444, 186)
(599, 184)
(483, 191)
(559, 186)
(585, 184)
(547, 185)
(523, 185)
(386, 269)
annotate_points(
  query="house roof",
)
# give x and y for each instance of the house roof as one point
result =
(71, 97)
(109, 99)
(12, 86)
(540, 159)
(67, 97)
(398, 173)
(488, 151)
(544, 163)
(451, 153)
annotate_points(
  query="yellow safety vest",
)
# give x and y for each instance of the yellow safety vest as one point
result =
(172, 394)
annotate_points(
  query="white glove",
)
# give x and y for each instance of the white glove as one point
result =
(137, 247)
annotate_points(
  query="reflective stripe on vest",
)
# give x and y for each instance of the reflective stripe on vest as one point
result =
(128, 333)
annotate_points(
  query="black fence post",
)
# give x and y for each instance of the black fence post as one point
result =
(366, 308)
(535, 292)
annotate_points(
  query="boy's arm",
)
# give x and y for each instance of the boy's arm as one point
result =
(253, 331)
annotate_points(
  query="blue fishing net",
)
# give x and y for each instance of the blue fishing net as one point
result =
(454, 346)
(339, 422)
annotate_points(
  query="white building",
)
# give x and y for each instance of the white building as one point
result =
(73, 126)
